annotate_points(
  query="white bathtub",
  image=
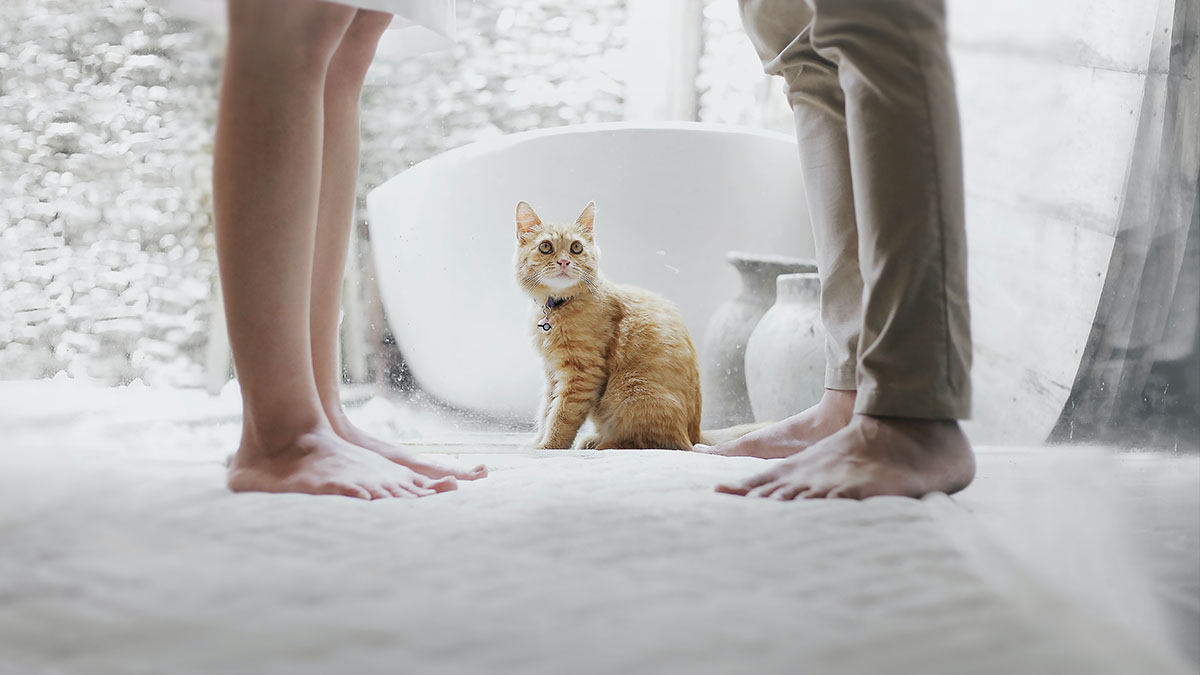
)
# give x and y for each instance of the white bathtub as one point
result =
(671, 200)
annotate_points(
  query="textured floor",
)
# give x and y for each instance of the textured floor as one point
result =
(121, 552)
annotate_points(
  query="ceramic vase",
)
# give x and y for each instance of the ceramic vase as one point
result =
(785, 356)
(722, 355)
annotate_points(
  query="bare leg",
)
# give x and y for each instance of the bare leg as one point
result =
(265, 180)
(339, 172)
(796, 433)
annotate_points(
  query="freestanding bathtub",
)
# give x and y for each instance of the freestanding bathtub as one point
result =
(671, 200)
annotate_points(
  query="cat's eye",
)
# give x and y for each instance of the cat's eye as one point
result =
(546, 247)
(576, 248)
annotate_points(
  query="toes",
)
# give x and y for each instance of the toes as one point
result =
(747, 485)
(406, 492)
(432, 468)
(419, 489)
(733, 489)
(820, 492)
(378, 492)
(478, 471)
(341, 489)
(436, 470)
(845, 492)
(790, 492)
(766, 490)
(431, 486)
(727, 449)
(474, 473)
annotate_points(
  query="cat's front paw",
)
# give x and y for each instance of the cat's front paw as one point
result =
(590, 442)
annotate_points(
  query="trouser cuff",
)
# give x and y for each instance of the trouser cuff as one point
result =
(840, 378)
(917, 404)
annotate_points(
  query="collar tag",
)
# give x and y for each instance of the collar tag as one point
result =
(551, 303)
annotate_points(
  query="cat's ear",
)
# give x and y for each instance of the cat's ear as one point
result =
(526, 220)
(588, 218)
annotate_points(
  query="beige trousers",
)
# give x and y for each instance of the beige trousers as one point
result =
(870, 87)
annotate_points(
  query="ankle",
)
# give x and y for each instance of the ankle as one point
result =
(339, 422)
(277, 436)
(837, 405)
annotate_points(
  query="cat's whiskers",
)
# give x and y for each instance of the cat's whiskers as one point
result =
(584, 277)
(588, 280)
(534, 279)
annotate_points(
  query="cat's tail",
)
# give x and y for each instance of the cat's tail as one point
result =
(717, 436)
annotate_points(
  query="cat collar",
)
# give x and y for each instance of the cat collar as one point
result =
(551, 303)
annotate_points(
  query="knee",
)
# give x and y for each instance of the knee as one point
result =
(357, 49)
(813, 83)
(302, 36)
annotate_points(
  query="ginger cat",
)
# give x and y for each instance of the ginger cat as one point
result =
(616, 353)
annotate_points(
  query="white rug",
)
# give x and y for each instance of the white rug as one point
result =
(122, 553)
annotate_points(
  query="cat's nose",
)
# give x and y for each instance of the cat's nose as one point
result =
(564, 264)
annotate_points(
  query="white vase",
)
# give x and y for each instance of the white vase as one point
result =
(785, 356)
(722, 355)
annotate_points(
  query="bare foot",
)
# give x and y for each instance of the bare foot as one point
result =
(871, 456)
(786, 438)
(416, 462)
(319, 462)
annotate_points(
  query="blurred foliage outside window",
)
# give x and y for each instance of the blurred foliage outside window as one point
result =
(107, 111)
